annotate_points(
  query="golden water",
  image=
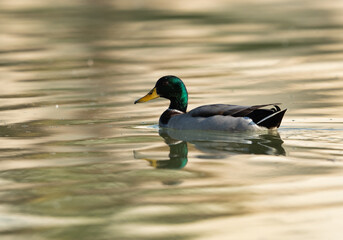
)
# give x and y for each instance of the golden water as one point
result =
(78, 160)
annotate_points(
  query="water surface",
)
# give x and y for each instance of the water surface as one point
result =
(79, 160)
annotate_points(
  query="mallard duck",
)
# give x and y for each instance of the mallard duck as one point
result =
(220, 117)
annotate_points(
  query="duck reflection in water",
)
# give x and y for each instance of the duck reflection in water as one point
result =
(215, 145)
(178, 152)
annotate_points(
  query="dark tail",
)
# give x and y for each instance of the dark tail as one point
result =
(273, 120)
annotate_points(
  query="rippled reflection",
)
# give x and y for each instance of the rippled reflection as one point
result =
(215, 144)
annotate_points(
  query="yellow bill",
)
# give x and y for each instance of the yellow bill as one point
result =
(151, 95)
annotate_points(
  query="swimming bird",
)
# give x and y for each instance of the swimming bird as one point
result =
(220, 117)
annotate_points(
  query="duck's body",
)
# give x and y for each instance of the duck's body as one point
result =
(219, 117)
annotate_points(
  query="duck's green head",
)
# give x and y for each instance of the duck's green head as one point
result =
(169, 87)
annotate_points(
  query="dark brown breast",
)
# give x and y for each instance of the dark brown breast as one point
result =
(167, 115)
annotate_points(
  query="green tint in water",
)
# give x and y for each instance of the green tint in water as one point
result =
(79, 160)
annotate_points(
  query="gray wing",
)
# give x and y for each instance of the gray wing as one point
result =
(227, 110)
